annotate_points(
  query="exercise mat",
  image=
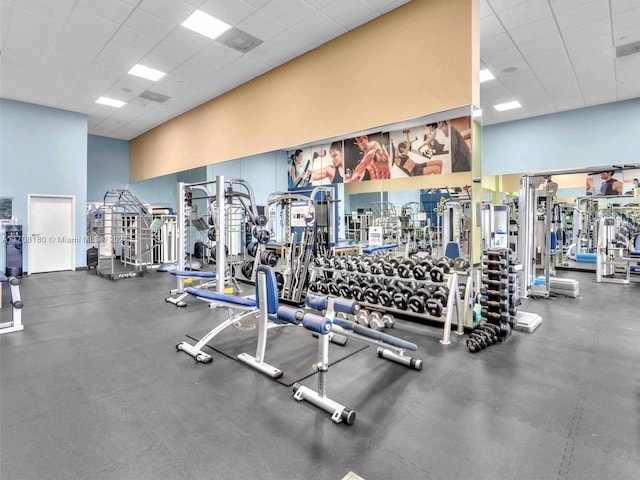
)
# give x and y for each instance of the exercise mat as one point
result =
(292, 349)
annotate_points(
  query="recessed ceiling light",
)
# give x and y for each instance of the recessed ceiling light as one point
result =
(486, 75)
(510, 69)
(205, 24)
(110, 102)
(501, 107)
(146, 72)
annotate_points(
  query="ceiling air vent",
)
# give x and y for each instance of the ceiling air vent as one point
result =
(238, 40)
(628, 49)
(153, 96)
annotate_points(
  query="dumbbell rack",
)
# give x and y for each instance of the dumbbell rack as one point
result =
(449, 307)
(499, 290)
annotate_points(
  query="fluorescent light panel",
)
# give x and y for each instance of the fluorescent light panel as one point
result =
(110, 102)
(486, 75)
(146, 72)
(501, 107)
(205, 24)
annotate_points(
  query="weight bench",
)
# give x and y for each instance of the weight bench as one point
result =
(389, 347)
(15, 324)
(263, 306)
(207, 280)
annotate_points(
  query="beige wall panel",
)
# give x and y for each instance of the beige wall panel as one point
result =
(413, 61)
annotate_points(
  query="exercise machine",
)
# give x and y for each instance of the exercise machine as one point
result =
(15, 324)
(389, 347)
(263, 308)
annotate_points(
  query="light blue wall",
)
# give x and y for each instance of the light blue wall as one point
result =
(43, 151)
(107, 166)
(159, 191)
(589, 137)
(265, 173)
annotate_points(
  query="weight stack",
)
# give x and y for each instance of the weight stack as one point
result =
(498, 289)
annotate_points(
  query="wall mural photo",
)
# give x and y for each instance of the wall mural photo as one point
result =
(432, 149)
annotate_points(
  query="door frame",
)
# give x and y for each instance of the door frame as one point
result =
(72, 244)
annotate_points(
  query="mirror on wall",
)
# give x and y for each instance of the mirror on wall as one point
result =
(570, 213)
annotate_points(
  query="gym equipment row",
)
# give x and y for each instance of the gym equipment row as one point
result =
(125, 239)
(618, 250)
(266, 312)
(15, 324)
(221, 224)
(419, 288)
(389, 347)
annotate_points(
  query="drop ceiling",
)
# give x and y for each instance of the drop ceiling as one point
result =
(551, 55)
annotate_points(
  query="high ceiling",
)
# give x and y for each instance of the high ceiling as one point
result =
(551, 55)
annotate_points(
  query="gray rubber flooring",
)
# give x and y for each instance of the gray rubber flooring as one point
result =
(94, 389)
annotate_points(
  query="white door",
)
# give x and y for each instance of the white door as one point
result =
(51, 238)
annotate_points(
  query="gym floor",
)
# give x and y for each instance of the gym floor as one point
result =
(94, 388)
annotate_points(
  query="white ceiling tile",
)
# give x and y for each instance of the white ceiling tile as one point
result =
(24, 55)
(86, 34)
(5, 20)
(627, 19)
(171, 85)
(50, 9)
(149, 24)
(135, 38)
(262, 26)
(569, 103)
(178, 52)
(585, 13)
(284, 45)
(112, 10)
(288, 12)
(594, 44)
(618, 6)
(125, 54)
(489, 26)
(535, 30)
(552, 57)
(34, 30)
(629, 35)
(258, 3)
(159, 63)
(517, 78)
(500, 5)
(175, 11)
(485, 10)
(219, 55)
(129, 87)
(586, 31)
(524, 14)
(495, 43)
(563, 5)
(350, 14)
(318, 26)
(229, 12)
(117, 64)
(553, 73)
(502, 57)
(384, 6)
(600, 98)
(562, 90)
(543, 45)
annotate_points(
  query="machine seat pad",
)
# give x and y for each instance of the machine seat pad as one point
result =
(222, 297)
(192, 274)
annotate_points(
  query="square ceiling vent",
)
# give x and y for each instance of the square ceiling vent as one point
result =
(153, 96)
(238, 40)
(628, 49)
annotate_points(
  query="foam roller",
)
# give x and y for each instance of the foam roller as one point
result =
(316, 323)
